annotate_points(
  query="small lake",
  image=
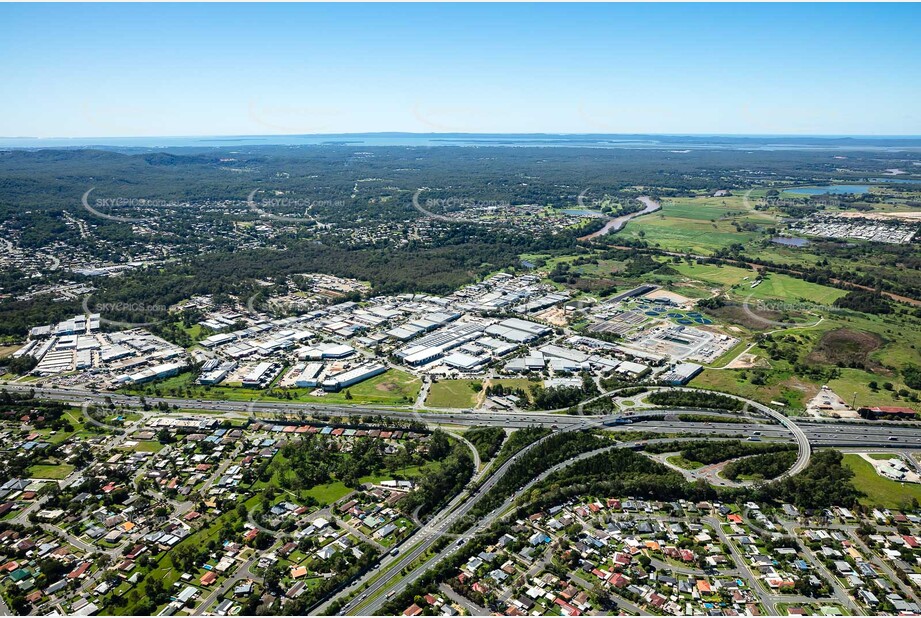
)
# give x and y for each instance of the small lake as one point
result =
(790, 242)
(832, 189)
(578, 212)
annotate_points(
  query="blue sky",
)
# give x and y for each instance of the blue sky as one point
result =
(210, 69)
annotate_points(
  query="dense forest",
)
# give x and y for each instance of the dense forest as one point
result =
(517, 441)
(865, 302)
(487, 440)
(766, 466)
(541, 457)
(825, 482)
(435, 489)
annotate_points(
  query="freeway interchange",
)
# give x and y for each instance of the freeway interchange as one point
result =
(818, 433)
(415, 555)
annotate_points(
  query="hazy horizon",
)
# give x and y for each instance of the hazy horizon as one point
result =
(676, 143)
(480, 133)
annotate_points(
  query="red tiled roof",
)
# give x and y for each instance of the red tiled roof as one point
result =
(79, 571)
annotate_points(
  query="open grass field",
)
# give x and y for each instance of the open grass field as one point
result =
(193, 331)
(452, 394)
(145, 446)
(75, 417)
(781, 386)
(6, 350)
(521, 383)
(697, 225)
(51, 471)
(603, 268)
(704, 208)
(857, 381)
(698, 236)
(843, 345)
(852, 384)
(784, 287)
(334, 490)
(737, 281)
(901, 337)
(685, 464)
(725, 276)
(391, 387)
(328, 493)
(880, 491)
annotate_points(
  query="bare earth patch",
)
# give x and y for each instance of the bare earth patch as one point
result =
(736, 314)
(747, 361)
(555, 316)
(676, 298)
(828, 403)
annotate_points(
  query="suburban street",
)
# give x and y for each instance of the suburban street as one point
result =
(371, 591)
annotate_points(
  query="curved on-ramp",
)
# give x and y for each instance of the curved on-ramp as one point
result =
(804, 449)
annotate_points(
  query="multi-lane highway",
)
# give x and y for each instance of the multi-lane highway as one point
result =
(431, 532)
(817, 433)
(372, 590)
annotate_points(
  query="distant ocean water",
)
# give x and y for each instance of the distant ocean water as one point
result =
(654, 142)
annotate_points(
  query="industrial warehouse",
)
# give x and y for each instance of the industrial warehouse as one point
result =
(332, 347)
